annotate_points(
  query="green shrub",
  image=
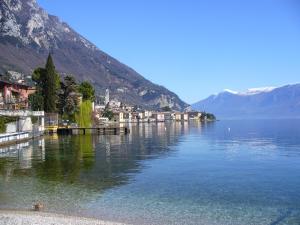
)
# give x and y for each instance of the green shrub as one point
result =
(4, 120)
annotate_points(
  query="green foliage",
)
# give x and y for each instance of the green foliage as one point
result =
(208, 116)
(84, 116)
(87, 91)
(68, 97)
(34, 119)
(36, 101)
(211, 116)
(47, 85)
(4, 120)
(166, 109)
(2, 125)
(108, 114)
(51, 86)
(38, 76)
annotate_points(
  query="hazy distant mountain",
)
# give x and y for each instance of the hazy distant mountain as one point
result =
(28, 34)
(269, 102)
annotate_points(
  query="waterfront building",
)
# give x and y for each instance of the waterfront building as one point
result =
(141, 116)
(178, 116)
(185, 116)
(126, 117)
(14, 95)
(134, 117)
(194, 115)
(114, 104)
(121, 117)
(168, 116)
(158, 116)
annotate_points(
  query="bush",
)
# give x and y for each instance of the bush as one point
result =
(4, 120)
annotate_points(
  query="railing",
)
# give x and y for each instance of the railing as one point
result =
(10, 137)
(24, 113)
(13, 104)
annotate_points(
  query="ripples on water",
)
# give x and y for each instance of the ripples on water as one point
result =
(227, 172)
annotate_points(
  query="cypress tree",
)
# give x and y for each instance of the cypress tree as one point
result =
(50, 84)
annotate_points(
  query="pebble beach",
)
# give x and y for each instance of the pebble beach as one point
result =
(40, 218)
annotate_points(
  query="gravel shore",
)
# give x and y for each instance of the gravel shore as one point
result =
(39, 218)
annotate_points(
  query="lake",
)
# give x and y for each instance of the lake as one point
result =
(225, 172)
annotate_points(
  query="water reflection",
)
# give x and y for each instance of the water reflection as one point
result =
(54, 168)
(165, 173)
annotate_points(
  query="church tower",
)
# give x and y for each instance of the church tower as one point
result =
(106, 96)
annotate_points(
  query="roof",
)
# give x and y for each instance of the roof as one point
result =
(27, 82)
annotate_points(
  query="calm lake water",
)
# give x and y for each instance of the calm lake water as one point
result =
(227, 172)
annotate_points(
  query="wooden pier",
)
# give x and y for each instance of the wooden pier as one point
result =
(93, 130)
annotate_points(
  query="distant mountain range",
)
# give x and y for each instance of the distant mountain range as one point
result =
(268, 102)
(28, 33)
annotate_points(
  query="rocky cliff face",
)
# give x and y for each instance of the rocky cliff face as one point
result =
(28, 33)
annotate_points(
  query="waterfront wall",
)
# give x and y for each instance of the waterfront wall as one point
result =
(23, 128)
(14, 137)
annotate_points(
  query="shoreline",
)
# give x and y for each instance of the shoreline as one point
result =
(22, 217)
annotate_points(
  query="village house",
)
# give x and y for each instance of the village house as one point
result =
(127, 117)
(14, 95)
(158, 116)
(184, 116)
(177, 116)
(148, 114)
(194, 115)
(141, 116)
(119, 117)
(168, 116)
(134, 117)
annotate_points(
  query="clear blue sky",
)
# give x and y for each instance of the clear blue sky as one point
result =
(194, 48)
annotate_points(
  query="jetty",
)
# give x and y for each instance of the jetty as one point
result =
(93, 130)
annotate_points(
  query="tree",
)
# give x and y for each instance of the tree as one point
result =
(108, 114)
(166, 109)
(51, 83)
(68, 97)
(36, 101)
(87, 91)
(84, 115)
(38, 76)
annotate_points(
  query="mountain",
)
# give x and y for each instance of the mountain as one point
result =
(269, 102)
(28, 33)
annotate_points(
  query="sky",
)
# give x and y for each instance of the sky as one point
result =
(194, 48)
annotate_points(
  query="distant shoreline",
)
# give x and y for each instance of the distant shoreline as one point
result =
(18, 217)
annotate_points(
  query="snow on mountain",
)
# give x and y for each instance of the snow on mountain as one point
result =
(266, 102)
(231, 91)
(250, 91)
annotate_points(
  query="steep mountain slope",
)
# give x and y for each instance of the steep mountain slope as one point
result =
(28, 34)
(282, 102)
